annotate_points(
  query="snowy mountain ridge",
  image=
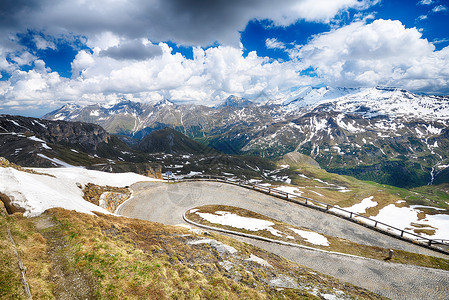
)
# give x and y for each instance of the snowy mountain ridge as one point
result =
(353, 131)
(371, 102)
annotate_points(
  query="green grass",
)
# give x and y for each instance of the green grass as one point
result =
(433, 195)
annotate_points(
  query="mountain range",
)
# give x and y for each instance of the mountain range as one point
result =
(386, 135)
(32, 142)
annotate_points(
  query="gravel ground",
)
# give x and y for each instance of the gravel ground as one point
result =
(166, 203)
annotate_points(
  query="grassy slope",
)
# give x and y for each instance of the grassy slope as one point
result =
(436, 196)
(71, 255)
(10, 281)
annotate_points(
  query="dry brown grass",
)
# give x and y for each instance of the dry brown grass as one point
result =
(10, 281)
(73, 255)
(115, 196)
(4, 163)
(335, 244)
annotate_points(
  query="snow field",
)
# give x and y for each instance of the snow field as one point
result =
(37, 193)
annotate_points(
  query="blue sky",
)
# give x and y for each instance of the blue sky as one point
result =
(201, 51)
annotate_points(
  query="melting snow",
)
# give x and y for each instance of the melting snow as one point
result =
(402, 217)
(33, 138)
(233, 220)
(433, 130)
(40, 124)
(259, 261)
(15, 123)
(59, 117)
(219, 246)
(290, 189)
(95, 113)
(361, 207)
(321, 195)
(424, 206)
(57, 161)
(44, 144)
(311, 237)
(37, 193)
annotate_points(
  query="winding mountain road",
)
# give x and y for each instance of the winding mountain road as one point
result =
(166, 203)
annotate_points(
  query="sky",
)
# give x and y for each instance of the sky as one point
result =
(54, 52)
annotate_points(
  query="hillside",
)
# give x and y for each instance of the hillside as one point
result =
(73, 247)
(27, 142)
(170, 141)
(68, 254)
(41, 143)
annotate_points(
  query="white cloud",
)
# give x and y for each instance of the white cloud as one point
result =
(381, 53)
(422, 17)
(42, 43)
(425, 2)
(273, 43)
(22, 58)
(209, 77)
(439, 8)
(124, 60)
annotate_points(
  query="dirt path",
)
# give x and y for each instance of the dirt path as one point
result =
(166, 203)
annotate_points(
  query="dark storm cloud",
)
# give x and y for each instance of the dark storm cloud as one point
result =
(11, 10)
(189, 22)
(204, 22)
(133, 50)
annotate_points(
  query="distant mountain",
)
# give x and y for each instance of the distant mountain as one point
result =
(234, 101)
(386, 135)
(34, 142)
(168, 140)
(42, 143)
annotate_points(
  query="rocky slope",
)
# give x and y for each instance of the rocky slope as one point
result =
(382, 134)
(42, 143)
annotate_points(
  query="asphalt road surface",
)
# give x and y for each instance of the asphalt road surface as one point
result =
(166, 203)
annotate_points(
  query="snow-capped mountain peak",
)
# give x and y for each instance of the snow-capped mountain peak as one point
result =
(370, 102)
(234, 101)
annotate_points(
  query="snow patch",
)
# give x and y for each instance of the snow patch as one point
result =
(219, 246)
(402, 217)
(57, 161)
(311, 237)
(293, 190)
(361, 207)
(233, 220)
(259, 261)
